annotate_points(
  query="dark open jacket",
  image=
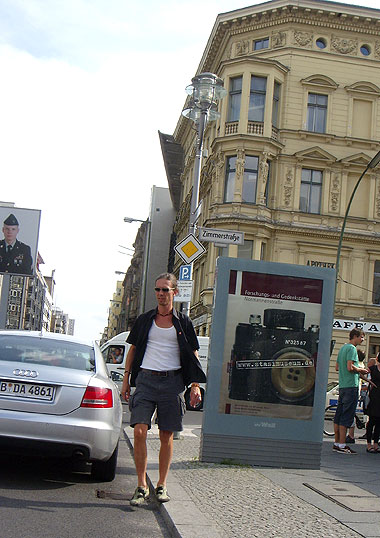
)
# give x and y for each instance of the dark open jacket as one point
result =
(187, 341)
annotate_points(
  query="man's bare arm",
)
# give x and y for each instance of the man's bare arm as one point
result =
(126, 388)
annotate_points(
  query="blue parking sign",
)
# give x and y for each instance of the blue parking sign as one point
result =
(185, 272)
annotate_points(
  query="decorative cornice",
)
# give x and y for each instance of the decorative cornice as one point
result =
(292, 229)
(316, 15)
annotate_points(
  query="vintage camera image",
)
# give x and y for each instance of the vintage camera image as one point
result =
(271, 345)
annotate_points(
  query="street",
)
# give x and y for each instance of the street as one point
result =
(46, 498)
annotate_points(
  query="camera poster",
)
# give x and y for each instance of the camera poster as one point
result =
(271, 345)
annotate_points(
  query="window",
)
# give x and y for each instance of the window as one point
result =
(245, 250)
(261, 44)
(267, 186)
(316, 113)
(250, 179)
(321, 43)
(263, 251)
(276, 99)
(376, 283)
(365, 50)
(234, 98)
(230, 179)
(257, 99)
(311, 188)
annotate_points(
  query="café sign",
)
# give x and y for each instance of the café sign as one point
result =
(348, 324)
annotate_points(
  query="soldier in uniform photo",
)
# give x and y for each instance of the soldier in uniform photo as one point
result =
(15, 257)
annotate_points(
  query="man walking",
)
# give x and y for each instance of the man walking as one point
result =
(347, 364)
(161, 361)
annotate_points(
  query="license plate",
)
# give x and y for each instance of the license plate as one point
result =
(27, 390)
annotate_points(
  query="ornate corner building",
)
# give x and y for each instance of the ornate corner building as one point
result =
(298, 126)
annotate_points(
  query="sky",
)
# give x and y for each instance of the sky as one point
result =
(85, 86)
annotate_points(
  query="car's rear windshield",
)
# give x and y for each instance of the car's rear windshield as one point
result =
(33, 350)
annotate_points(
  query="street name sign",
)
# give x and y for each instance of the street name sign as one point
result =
(189, 249)
(226, 237)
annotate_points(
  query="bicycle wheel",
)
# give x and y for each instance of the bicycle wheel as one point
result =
(328, 426)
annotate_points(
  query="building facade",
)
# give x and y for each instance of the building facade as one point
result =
(298, 126)
(151, 257)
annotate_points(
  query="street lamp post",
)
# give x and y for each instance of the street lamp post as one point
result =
(205, 90)
(372, 164)
(145, 260)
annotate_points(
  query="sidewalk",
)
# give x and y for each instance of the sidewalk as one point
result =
(341, 500)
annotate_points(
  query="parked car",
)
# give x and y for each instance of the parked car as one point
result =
(332, 393)
(56, 398)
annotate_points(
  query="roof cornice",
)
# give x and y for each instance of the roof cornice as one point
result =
(322, 13)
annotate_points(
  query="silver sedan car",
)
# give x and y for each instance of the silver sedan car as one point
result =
(56, 398)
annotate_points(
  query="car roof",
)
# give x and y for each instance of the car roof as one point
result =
(47, 335)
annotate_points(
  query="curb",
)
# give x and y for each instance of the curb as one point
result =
(181, 514)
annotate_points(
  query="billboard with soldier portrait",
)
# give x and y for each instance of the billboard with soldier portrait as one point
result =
(19, 240)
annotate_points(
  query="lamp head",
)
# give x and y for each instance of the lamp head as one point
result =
(205, 91)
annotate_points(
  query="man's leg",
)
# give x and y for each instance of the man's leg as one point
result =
(342, 434)
(351, 434)
(336, 433)
(165, 456)
(140, 453)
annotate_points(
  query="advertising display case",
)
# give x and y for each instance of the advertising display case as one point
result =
(268, 367)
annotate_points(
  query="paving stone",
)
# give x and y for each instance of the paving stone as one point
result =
(334, 488)
(215, 500)
(359, 504)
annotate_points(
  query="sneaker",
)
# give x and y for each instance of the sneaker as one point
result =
(335, 447)
(141, 494)
(345, 450)
(350, 440)
(162, 494)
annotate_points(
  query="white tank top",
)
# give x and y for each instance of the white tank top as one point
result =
(162, 350)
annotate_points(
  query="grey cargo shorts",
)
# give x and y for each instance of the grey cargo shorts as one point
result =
(158, 392)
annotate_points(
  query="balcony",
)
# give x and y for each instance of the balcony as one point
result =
(255, 128)
(231, 127)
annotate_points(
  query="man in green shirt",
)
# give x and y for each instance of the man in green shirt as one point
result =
(347, 364)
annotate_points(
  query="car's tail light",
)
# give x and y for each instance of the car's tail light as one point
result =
(97, 397)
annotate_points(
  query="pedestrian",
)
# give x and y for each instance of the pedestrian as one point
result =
(347, 364)
(161, 362)
(365, 397)
(373, 408)
(15, 256)
(350, 439)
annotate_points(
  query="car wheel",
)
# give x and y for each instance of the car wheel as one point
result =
(105, 471)
(199, 407)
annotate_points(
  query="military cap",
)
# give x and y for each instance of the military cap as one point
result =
(11, 220)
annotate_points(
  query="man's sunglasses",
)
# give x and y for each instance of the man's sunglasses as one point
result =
(165, 290)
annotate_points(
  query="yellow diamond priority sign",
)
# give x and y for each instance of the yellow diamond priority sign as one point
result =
(189, 249)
